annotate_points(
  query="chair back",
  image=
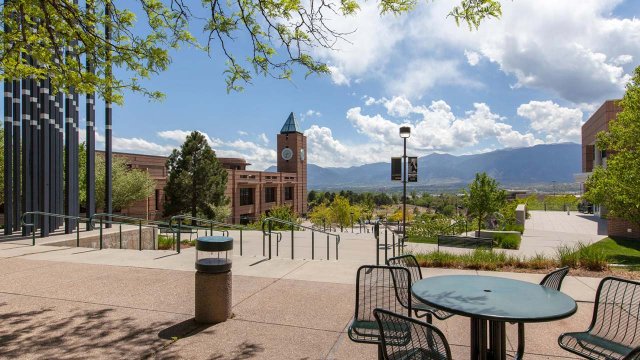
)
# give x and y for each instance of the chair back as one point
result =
(410, 262)
(616, 312)
(406, 338)
(377, 287)
(553, 280)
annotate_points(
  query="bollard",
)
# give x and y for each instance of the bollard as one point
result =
(213, 279)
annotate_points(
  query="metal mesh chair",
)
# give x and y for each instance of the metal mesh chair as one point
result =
(614, 332)
(376, 288)
(421, 309)
(406, 338)
(552, 280)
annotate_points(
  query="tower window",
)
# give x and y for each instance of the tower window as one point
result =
(246, 196)
(288, 193)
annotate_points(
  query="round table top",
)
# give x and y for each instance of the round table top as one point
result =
(494, 298)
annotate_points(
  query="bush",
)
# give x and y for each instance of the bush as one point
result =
(165, 242)
(507, 241)
(592, 258)
(515, 227)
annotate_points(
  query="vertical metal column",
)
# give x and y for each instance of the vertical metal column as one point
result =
(53, 112)
(90, 139)
(16, 155)
(76, 162)
(8, 146)
(60, 127)
(44, 156)
(108, 119)
(34, 152)
(26, 147)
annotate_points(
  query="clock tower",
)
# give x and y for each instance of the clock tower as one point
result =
(292, 158)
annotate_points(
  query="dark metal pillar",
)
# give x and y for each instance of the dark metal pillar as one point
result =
(44, 156)
(68, 200)
(90, 139)
(16, 155)
(8, 146)
(108, 121)
(34, 152)
(26, 148)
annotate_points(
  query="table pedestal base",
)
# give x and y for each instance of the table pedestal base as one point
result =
(488, 340)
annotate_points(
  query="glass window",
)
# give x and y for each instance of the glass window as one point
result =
(288, 193)
(246, 196)
(269, 194)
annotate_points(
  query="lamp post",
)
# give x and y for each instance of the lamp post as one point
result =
(405, 132)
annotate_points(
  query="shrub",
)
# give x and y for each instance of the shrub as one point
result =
(507, 241)
(567, 256)
(165, 242)
(541, 261)
(592, 258)
(515, 227)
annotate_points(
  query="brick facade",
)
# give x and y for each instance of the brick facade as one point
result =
(620, 228)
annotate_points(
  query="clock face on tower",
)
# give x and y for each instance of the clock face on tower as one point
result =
(287, 154)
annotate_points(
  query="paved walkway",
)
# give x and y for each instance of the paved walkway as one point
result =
(58, 302)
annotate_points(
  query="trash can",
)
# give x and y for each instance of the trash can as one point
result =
(213, 279)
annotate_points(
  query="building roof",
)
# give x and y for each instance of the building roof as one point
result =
(291, 125)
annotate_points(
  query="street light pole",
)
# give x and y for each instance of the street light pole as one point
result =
(405, 132)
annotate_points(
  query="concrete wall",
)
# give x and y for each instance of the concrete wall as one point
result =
(521, 214)
(130, 240)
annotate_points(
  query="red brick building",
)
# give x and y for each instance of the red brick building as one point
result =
(592, 157)
(251, 193)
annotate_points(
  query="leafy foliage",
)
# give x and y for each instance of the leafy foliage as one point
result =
(616, 186)
(282, 35)
(282, 212)
(484, 197)
(129, 185)
(196, 180)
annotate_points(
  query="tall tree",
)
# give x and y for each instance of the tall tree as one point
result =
(617, 186)
(484, 197)
(129, 185)
(282, 35)
(196, 181)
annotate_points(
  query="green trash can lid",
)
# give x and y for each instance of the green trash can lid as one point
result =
(214, 243)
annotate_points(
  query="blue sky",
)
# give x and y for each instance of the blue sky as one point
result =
(532, 77)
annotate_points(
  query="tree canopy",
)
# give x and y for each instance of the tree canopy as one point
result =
(196, 180)
(57, 36)
(484, 197)
(129, 185)
(616, 186)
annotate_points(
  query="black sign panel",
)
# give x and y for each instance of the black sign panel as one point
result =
(412, 175)
(396, 169)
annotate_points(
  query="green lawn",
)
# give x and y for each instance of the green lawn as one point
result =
(620, 251)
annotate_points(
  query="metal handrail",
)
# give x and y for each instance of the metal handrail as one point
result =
(212, 223)
(140, 222)
(268, 222)
(53, 215)
(399, 244)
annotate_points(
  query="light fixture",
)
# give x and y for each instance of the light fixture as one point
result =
(405, 132)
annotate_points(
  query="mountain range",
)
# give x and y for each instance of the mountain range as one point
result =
(538, 164)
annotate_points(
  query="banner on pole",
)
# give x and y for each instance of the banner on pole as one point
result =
(396, 169)
(412, 175)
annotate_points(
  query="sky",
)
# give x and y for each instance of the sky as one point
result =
(532, 77)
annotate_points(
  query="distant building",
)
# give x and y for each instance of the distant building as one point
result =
(251, 193)
(592, 157)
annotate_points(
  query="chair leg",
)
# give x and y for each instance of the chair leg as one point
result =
(429, 318)
(380, 352)
(520, 352)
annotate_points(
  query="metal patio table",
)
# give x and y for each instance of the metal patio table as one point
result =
(490, 302)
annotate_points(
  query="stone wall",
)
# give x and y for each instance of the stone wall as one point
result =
(130, 240)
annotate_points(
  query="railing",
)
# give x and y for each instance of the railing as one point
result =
(278, 240)
(212, 227)
(386, 246)
(51, 215)
(454, 229)
(268, 223)
(104, 218)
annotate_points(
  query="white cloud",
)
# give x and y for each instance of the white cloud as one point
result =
(420, 75)
(338, 77)
(574, 48)
(242, 133)
(264, 138)
(556, 123)
(473, 58)
(398, 106)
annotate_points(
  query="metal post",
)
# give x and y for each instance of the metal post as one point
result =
(77, 233)
(179, 235)
(120, 236)
(8, 121)
(393, 244)
(100, 233)
(16, 155)
(312, 245)
(26, 147)
(90, 137)
(45, 185)
(140, 235)
(108, 118)
(386, 246)
(291, 241)
(327, 246)
(337, 241)
(269, 225)
(240, 241)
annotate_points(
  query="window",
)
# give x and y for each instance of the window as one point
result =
(157, 199)
(288, 193)
(246, 196)
(269, 194)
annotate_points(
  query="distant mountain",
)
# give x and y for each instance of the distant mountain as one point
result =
(532, 165)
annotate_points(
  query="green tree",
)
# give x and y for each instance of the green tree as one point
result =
(484, 197)
(129, 185)
(196, 181)
(282, 34)
(616, 186)
(320, 215)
